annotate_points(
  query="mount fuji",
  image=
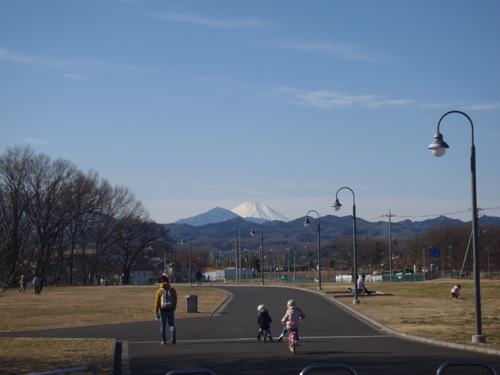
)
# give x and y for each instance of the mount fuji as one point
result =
(257, 212)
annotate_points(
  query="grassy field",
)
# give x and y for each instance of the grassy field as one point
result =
(421, 308)
(426, 309)
(66, 307)
(28, 356)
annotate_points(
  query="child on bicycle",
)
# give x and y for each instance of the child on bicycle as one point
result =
(292, 320)
(264, 321)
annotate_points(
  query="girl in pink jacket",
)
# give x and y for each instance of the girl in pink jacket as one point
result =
(455, 292)
(292, 320)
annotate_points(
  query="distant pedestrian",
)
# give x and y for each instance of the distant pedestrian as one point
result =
(42, 283)
(22, 284)
(36, 284)
(165, 305)
(197, 277)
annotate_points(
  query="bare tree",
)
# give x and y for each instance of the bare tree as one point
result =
(136, 232)
(16, 231)
(49, 209)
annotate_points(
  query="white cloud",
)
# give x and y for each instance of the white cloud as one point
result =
(340, 50)
(35, 141)
(332, 99)
(57, 63)
(477, 107)
(207, 21)
(75, 76)
(436, 105)
(483, 106)
(9, 56)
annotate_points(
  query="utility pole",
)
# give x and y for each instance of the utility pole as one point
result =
(390, 243)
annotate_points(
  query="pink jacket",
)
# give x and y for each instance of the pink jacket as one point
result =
(293, 317)
(455, 290)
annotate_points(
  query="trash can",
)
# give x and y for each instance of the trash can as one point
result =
(192, 303)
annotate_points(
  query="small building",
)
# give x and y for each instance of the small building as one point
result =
(143, 273)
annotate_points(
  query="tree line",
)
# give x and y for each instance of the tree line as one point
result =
(453, 241)
(373, 253)
(60, 221)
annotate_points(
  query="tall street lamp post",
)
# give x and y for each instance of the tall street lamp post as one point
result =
(438, 147)
(252, 233)
(295, 267)
(190, 264)
(288, 271)
(336, 205)
(307, 223)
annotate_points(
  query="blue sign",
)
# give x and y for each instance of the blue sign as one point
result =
(435, 253)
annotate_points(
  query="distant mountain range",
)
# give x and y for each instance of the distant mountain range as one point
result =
(294, 231)
(255, 212)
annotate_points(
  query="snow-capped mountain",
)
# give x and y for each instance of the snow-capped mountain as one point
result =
(258, 211)
(215, 215)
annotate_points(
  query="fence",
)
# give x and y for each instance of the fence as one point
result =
(248, 275)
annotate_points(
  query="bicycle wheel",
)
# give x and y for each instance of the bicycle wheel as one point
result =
(292, 346)
(291, 343)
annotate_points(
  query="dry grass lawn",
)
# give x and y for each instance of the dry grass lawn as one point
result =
(27, 356)
(426, 309)
(65, 307)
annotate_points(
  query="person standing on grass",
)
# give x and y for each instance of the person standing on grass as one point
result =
(165, 305)
(36, 284)
(22, 284)
(42, 283)
(198, 277)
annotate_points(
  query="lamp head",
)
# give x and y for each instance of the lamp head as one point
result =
(183, 242)
(336, 204)
(307, 222)
(439, 146)
(252, 233)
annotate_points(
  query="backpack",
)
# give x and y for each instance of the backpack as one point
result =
(167, 302)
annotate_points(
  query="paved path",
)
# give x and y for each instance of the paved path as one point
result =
(227, 344)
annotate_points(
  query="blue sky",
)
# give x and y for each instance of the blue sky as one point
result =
(202, 104)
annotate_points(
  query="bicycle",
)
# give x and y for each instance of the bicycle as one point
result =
(292, 341)
(266, 335)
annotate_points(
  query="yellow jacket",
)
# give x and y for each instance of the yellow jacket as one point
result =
(165, 286)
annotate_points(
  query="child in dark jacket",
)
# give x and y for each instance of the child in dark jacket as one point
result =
(264, 321)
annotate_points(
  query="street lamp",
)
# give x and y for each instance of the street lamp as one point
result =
(307, 254)
(190, 266)
(252, 233)
(295, 266)
(337, 206)
(288, 271)
(438, 147)
(307, 223)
